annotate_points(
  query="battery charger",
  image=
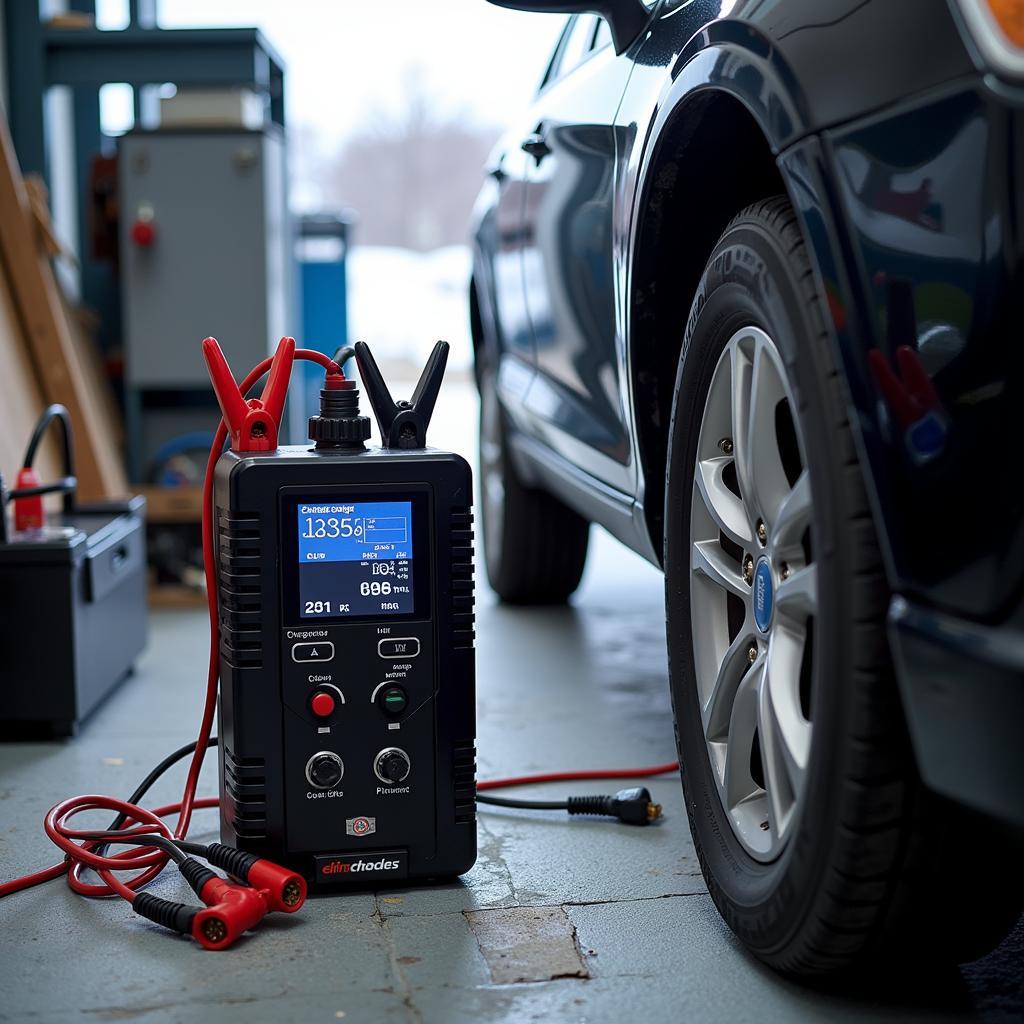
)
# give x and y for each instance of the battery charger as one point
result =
(345, 588)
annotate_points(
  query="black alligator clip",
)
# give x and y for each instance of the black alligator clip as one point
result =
(402, 424)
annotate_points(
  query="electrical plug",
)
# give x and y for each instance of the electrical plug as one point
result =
(284, 890)
(630, 806)
(231, 908)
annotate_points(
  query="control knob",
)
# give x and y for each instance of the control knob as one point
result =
(325, 769)
(392, 765)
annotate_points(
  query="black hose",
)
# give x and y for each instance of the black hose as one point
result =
(68, 485)
(532, 805)
(343, 355)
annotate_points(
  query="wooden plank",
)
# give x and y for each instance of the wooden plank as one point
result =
(22, 399)
(62, 372)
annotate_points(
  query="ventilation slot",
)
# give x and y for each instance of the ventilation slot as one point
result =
(238, 585)
(463, 618)
(465, 783)
(245, 785)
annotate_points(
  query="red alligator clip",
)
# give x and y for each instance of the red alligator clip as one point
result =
(252, 424)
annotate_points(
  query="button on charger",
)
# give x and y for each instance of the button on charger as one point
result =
(322, 651)
(399, 647)
(322, 704)
(392, 700)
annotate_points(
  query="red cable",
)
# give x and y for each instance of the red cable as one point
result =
(613, 773)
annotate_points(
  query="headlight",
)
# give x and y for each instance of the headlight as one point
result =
(997, 27)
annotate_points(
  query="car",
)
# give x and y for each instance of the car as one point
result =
(747, 286)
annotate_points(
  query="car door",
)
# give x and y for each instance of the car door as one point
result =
(499, 232)
(575, 402)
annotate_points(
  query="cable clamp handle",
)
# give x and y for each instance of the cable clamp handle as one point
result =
(403, 424)
(253, 424)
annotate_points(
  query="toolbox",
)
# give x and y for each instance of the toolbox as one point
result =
(72, 616)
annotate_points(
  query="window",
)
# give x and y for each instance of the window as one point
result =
(603, 36)
(578, 43)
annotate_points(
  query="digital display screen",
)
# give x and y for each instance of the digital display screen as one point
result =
(355, 558)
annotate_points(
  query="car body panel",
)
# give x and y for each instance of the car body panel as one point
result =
(932, 193)
(568, 271)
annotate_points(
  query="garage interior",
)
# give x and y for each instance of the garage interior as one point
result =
(108, 238)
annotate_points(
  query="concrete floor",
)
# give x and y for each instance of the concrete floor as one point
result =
(620, 915)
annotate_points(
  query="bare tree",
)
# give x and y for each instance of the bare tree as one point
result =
(412, 179)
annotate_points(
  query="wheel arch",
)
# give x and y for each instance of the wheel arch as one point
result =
(712, 158)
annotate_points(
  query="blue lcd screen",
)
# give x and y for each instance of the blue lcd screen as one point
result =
(355, 558)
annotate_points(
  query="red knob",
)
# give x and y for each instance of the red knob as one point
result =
(143, 233)
(28, 512)
(322, 704)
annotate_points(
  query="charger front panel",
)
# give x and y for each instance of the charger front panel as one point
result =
(347, 723)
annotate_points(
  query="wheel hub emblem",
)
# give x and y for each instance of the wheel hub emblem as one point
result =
(763, 595)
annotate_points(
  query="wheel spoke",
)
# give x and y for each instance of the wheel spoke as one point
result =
(717, 709)
(794, 516)
(784, 733)
(796, 597)
(766, 476)
(710, 561)
(739, 378)
(724, 507)
(739, 784)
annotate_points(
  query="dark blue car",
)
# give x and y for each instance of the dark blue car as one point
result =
(747, 292)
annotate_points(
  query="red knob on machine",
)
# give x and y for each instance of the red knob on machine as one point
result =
(28, 512)
(143, 233)
(322, 704)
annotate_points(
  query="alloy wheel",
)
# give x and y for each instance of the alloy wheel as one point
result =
(753, 592)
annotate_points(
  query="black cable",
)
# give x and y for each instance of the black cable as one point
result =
(109, 837)
(66, 485)
(343, 355)
(631, 806)
(195, 849)
(143, 788)
(144, 785)
(532, 805)
(51, 413)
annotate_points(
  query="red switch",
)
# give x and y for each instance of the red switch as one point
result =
(143, 233)
(322, 704)
(28, 512)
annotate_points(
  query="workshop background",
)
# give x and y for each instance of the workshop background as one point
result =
(326, 194)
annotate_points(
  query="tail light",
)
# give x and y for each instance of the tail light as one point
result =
(997, 28)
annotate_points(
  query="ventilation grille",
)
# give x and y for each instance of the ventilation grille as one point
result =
(463, 618)
(245, 782)
(238, 585)
(465, 783)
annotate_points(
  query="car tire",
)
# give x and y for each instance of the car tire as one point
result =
(818, 843)
(535, 547)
